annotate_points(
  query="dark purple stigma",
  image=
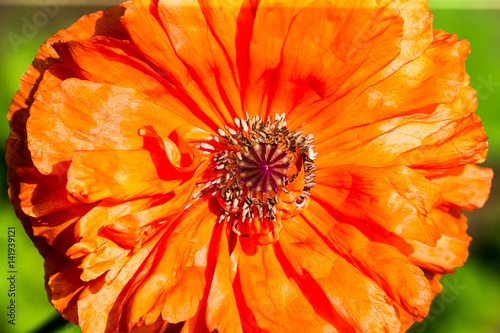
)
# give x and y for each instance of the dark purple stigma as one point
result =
(263, 168)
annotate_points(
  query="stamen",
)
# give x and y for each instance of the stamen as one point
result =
(207, 146)
(256, 161)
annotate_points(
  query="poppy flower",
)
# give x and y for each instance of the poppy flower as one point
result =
(248, 166)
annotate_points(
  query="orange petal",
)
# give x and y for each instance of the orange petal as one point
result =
(187, 25)
(130, 228)
(17, 154)
(417, 36)
(467, 187)
(63, 285)
(100, 304)
(451, 250)
(331, 283)
(196, 324)
(463, 105)
(443, 258)
(269, 30)
(457, 143)
(42, 194)
(154, 44)
(222, 311)
(118, 175)
(396, 199)
(88, 231)
(99, 23)
(159, 326)
(175, 284)
(422, 144)
(378, 261)
(274, 298)
(106, 257)
(329, 51)
(433, 78)
(131, 222)
(125, 67)
(59, 228)
(81, 115)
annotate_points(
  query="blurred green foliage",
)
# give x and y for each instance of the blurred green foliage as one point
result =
(470, 302)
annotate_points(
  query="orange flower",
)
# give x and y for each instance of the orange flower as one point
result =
(248, 166)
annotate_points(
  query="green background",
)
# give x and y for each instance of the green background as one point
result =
(470, 302)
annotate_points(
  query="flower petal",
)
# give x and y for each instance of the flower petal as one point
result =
(127, 68)
(417, 36)
(463, 105)
(274, 298)
(451, 250)
(330, 50)
(433, 78)
(222, 311)
(331, 282)
(196, 324)
(41, 194)
(107, 257)
(17, 154)
(467, 187)
(88, 232)
(99, 302)
(154, 44)
(131, 228)
(396, 199)
(175, 284)
(270, 27)
(63, 285)
(81, 115)
(99, 23)
(192, 36)
(118, 175)
(376, 260)
(58, 228)
(430, 146)
(130, 223)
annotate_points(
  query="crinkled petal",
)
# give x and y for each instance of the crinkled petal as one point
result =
(58, 228)
(222, 310)
(63, 285)
(463, 105)
(451, 250)
(396, 199)
(467, 187)
(175, 284)
(265, 49)
(378, 261)
(41, 194)
(212, 67)
(82, 115)
(330, 50)
(100, 304)
(128, 68)
(433, 78)
(143, 23)
(274, 298)
(118, 175)
(331, 283)
(430, 146)
(17, 154)
(129, 223)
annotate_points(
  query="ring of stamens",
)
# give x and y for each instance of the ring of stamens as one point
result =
(256, 161)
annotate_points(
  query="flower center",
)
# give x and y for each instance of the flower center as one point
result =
(264, 169)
